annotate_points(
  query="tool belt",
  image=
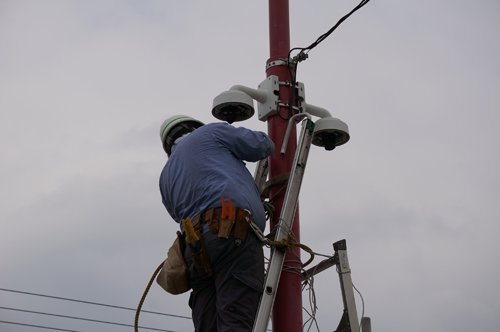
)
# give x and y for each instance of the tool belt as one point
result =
(220, 221)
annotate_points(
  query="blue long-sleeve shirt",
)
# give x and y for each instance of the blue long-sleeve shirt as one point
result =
(207, 165)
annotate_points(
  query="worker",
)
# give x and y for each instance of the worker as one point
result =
(205, 179)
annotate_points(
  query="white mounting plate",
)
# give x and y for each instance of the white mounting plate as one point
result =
(270, 106)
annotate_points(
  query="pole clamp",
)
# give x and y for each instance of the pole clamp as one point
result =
(280, 62)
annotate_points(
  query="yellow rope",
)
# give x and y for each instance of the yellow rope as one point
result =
(287, 244)
(136, 326)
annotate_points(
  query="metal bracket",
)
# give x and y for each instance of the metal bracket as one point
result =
(271, 86)
(280, 62)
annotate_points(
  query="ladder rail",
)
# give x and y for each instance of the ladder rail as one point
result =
(349, 321)
(285, 223)
(346, 287)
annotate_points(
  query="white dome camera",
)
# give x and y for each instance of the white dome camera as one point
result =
(233, 106)
(330, 133)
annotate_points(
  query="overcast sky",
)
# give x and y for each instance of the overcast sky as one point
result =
(85, 86)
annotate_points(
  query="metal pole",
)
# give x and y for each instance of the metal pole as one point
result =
(287, 310)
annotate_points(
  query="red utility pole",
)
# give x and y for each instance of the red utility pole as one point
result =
(287, 310)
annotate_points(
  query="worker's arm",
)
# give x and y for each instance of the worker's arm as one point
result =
(245, 144)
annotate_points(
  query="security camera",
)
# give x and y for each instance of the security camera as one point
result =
(330, 133)
(233, 105)
(237, 103)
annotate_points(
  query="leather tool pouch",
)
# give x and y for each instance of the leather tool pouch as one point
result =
(242, 226)
(199, 253)
(226, 225)
(174, 276)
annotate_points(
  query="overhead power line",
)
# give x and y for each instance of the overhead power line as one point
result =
(38, 326)
(92, 303)
(85, 319)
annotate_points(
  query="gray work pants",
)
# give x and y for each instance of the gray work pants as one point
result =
(229, 299)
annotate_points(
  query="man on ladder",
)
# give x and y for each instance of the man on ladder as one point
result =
(207, 189)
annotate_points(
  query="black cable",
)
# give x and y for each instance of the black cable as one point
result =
(93, 303)
(38, 326)
(326, 34)
(302, 56)
(79, 318)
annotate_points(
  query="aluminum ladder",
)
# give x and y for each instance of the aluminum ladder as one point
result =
(349, 321)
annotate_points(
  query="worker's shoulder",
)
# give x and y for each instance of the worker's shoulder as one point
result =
(224, 129)
(217, 125)
(216, 128)
(210, 131)
(212, 126)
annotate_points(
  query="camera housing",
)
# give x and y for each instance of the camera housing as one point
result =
(233, 106)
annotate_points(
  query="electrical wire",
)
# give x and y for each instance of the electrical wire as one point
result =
(312, 303)
(80, 318)
(92, 303)
(328, 33)
(304, 54)
(37, 326)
